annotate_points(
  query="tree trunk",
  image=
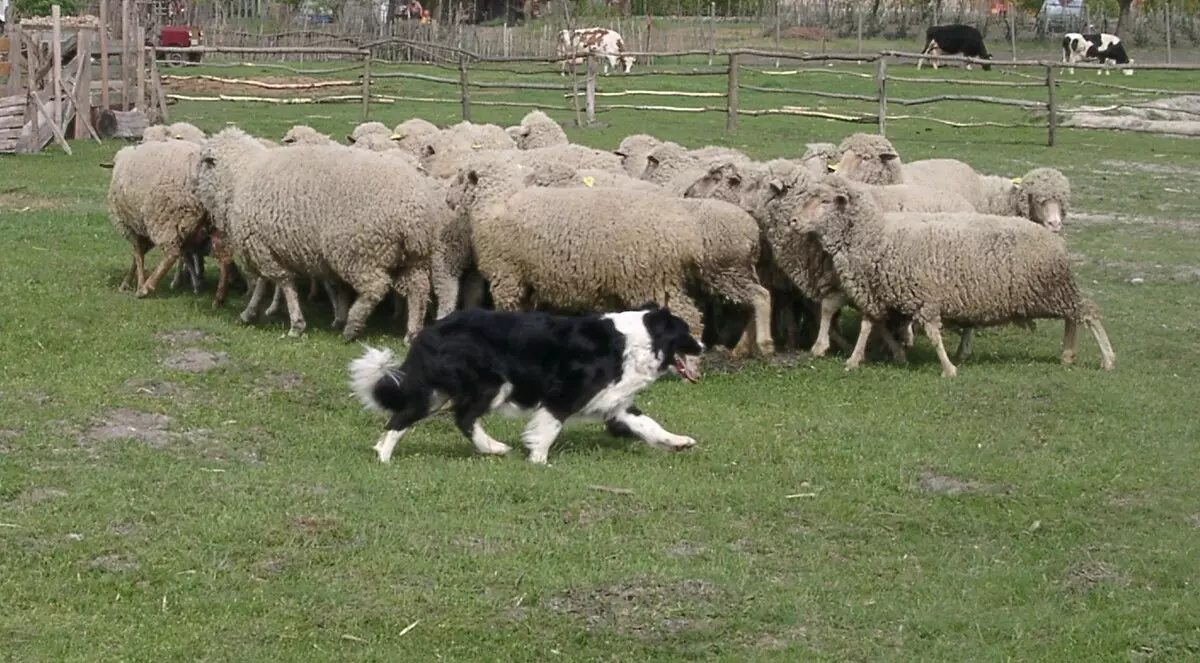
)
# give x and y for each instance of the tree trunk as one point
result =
(1125, 21)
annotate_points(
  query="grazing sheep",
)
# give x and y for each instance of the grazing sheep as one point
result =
(302, 134)
(368, 129)
(965, 269)
(869, 158)
(633, 151)
(576, 249)
(537, 130)
(337, 213)
(150, 202)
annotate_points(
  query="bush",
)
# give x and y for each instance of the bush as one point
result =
(42, 7)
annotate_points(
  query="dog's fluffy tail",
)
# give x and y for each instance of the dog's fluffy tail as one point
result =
(367, 371)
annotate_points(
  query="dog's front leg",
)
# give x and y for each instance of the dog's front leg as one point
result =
(650, 431)
(539, 434)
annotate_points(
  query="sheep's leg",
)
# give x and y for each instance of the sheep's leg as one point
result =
(445, 287)
(371, 287)
(908, 337)
(340, 296)
(197, 272)
(1070, 341)
(170, 255)
(472, 289)
(934, 332)
(506, 293)
(966, 344)
(224, 259)
(276, 302)
(415, 286)
(1108, 358)
(140, 247)
(829, 306)
(860, 345)
(250, 313)
(889, 339)
(127, 282)
(184, 269)
(314, 288)
(787, 319)
(758, 332)
(292, 295)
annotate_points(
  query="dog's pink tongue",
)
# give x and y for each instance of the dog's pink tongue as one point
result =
(688, 368)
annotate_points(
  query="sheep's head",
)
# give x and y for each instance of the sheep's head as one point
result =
(657, 162)
(302, 134)
(815, 210)
(870, 159)
(1043, 196)
(722, 181)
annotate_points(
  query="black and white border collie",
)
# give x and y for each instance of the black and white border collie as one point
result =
(1100, 46)
(552, 368)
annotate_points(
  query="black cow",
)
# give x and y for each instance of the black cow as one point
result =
(956, 39)
(1102, 46)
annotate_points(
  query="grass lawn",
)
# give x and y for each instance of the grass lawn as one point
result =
(175, 486)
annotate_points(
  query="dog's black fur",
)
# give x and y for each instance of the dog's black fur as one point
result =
(556, 362)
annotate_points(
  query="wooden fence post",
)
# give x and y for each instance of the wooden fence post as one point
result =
(881, 83)
(466, 91)
(141, 66)
(14, 53)
(125, 27)
(104, 101)
(56, 71)
(1051, 109)
(590, 89)
(83, 82)
(366, 86)
(731, 95)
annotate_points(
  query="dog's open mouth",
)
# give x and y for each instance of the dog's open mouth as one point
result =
(688, 367)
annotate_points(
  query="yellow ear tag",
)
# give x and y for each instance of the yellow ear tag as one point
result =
(1016, 180)
(589, 181)
(396, 137)
(833, 167)
(476, 146)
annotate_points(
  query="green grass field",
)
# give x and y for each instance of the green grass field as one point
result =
(175, 486)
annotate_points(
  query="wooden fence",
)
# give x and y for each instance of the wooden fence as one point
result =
(735, 61)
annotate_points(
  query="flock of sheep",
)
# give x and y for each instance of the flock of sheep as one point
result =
(439, 217)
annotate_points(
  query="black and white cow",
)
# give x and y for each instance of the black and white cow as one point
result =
(1102, 46)
(956, 39)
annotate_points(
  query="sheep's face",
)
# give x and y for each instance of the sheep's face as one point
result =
(1045, 211)
(882, 168)
(722, 182)
(813, 210)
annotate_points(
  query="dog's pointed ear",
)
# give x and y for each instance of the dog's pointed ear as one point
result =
(657, 320)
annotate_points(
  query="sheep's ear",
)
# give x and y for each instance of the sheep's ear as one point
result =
(349, 139)
(288, 140)
(472, 177)
(208, 162)
(621, 154)
(840, 201)
(652, 159)
(523, 130)
(429, 151)
(888, 156)
(777, 186)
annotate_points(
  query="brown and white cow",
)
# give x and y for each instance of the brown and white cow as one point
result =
(600, 41)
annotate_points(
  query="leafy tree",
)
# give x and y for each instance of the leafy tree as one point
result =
(42, 7)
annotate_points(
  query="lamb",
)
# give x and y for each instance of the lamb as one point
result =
(302, 134)
(151, 204)
(966, 269)
(869, 158)
(576, 249)
(633, 151)
(731, 248)
(537, 130)
(368, 129)
(354, 216)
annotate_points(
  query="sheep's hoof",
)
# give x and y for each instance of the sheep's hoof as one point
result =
(949, 372)
(819, 349)
(143, 293)
(1068, 358)
(338, 324)
(851, 365)
(218, 303)
(1108, 365)
(271, 311)
(766, 349)
(296, 331)
(350, 333)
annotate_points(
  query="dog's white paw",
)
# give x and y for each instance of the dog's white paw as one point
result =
(496, 449)
(678, 443)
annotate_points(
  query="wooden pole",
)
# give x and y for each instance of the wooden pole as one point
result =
(466, 91)
(590, 89)
(141, 67)
(160, 98)
(1012, 30)
(83, 82)
(712, 31)
(58, 136)
(777, 19)
(881, 84)
(731, 103)
(14, 53)
(858, 14)
(104, 101)
(125, 86)
(1051, 108)
(31, 59)
(56, 50)
(366, 86)
(1168, 10)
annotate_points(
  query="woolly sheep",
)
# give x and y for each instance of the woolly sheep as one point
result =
(819, 157)
(537, 130)
(731, 248)
(368, 129)
(574, 249)
(150, 202)
(176, 131)
(1042, 195)
(302, 134)
(410, 134)
(633, 151)
(334, 212)
(485, 136)
(669, 160)
(967, 269)
(869, 158)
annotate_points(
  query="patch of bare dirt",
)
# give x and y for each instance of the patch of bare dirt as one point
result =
(479, 546)
(195, 360)
(20, 199)
(645, 608)
(126, 423)
(1090, 574)
(1194, 520)
(1105, 218)
(36, 494)
(184, 336)
(777, 641)
(8, 434)
(270, 566)
(123, 529)
(115, 563)
(685, 549)
(1160, 168)
(288, 382)
(931, 482)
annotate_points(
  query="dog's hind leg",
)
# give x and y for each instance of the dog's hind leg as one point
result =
(540, 433)
(398, 425)
(649, 430)
(468, 409)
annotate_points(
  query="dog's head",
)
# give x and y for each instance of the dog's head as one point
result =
(672, 342)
